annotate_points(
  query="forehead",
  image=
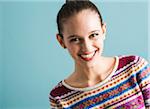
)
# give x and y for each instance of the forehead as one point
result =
(82, 23)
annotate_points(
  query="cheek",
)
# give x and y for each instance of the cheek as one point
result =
(73, 53)
(99, 43)
(73, 49)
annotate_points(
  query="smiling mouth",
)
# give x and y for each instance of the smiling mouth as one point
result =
(89, 56)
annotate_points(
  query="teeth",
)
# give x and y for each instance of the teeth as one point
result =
(88, 56)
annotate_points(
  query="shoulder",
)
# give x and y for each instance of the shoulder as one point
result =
(59, 90)
(127, 60)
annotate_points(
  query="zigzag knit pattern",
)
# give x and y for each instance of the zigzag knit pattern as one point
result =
(128, 87)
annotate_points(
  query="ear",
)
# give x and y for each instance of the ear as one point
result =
(60, 40)
(104, 30)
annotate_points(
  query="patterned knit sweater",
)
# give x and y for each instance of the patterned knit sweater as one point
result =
(127, 87)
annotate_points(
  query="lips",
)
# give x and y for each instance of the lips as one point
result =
(88, 56)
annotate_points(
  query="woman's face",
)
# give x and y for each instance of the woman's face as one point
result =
(83, 37)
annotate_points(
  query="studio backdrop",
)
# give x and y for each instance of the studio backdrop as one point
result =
(32, 61)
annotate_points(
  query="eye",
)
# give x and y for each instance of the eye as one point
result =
(75, 40)
(94, 35)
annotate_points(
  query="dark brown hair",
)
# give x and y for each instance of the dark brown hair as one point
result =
(72, 7)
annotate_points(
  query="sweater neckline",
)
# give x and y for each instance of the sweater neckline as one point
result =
(97, 85)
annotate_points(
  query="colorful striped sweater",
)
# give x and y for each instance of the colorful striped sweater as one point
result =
(128, 87)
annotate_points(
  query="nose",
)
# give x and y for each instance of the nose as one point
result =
(86, 46)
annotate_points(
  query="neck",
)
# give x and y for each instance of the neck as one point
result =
(95, 73)
(89, 72)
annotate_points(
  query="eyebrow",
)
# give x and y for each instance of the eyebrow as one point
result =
(94, 31)
(74, 35)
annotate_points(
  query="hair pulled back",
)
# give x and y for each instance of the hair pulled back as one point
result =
(72, 7)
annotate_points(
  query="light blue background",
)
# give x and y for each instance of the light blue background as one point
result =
(32, 62)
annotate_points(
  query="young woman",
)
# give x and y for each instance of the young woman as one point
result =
(121, 82)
